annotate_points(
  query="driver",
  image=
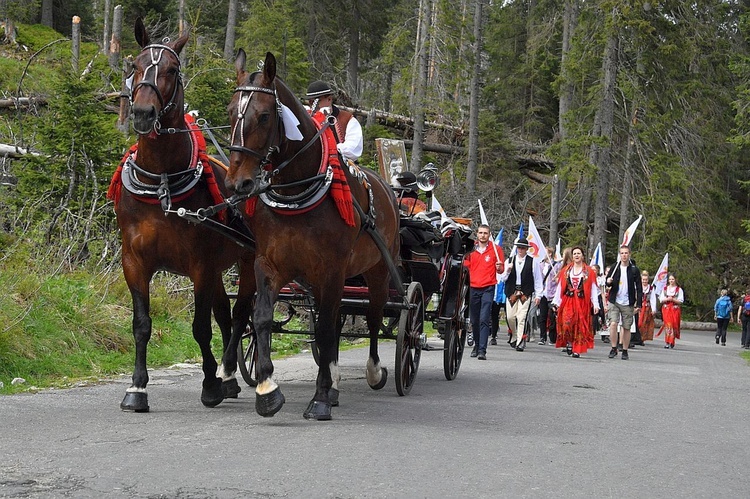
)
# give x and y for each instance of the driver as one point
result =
(348, 129)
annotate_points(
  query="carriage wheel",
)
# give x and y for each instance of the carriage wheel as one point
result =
(247, 354)
(455, 336)
(409, 339)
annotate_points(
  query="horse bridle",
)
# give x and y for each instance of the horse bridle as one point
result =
(245, 98)
(265, 159)
(145, 82)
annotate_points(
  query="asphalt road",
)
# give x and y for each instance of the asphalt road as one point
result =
(666, 423)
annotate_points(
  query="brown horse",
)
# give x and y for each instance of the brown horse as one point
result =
(300, 228)
(160, 177)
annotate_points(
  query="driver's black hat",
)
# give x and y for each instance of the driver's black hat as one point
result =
(318, 88)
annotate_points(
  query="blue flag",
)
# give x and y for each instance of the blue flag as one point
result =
(500, 286)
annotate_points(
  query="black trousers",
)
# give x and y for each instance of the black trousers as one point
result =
(496, 308)
(544, 310)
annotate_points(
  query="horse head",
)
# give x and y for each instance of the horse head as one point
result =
(259, 108)
(157, 82)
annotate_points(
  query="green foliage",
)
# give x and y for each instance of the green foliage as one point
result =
(271, 27)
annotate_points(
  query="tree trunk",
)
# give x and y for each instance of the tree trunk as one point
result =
(604, 156)
(231, 25)
(565, 102)
(76, 39)
(353, 65)
(114, 45)
(48, 18)
(421, 87)
(105, 35)
(471, 165)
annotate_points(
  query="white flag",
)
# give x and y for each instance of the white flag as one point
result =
(537, 248)
(627, 237)
(558, 253)
(660, 280)
(482, 216)
(437, 206)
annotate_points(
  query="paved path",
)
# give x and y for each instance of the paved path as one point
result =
(533, 424)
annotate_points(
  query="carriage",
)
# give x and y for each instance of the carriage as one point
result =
(436, 290)
(325, 237)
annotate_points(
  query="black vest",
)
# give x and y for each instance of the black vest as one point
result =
(527, 277)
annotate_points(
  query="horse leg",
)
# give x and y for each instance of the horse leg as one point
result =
(223, 317)
(268, 396)
(240, 318)
(326, 339)
(136, 398)
(377, 284)
(212, 394)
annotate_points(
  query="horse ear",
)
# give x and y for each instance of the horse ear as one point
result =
(180, 42)
(239, 64)
(269, 67)
(141, 36)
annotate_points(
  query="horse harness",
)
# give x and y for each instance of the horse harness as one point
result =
(319, 184)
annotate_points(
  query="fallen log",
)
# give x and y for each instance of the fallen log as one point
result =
(14, 151)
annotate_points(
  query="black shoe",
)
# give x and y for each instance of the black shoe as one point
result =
(717, 340)
(493, 341)
(612, 353)
(474, 353)
(723, 344)
(482, 356)
(542, 342)
(625, 355)
(569, 350)
(666, 346)
(671, 345)
(576, 355)
(470, 340)
(519, 349)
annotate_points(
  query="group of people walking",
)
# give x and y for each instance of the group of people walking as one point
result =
(569, 297)
(723, 309)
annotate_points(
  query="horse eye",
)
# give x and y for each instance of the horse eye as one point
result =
(263, 119)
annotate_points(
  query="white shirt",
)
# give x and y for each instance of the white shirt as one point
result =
(622, 291)
(351, 147)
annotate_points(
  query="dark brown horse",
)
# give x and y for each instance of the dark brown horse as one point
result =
(301, 232)
(158, 179)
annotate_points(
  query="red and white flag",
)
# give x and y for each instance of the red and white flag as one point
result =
(660, 280)
(627, 237)
(537, 248)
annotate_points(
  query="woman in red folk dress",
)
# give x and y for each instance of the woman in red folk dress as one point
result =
(577, 302)
(646, 314)
(671, 299)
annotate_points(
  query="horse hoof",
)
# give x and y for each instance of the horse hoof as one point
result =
(317, 410)
(333, 396)
(135, 401)
(269, 404)
(383, 379)
(230, 388)
(212, 393)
